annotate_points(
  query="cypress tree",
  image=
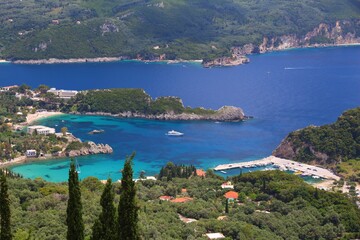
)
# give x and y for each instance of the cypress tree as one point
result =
(127, 210)
(5, 229)
(105, 227)
(74, 221)
(227, 206)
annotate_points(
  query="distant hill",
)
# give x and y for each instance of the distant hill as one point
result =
(327, 145)
(153, 29)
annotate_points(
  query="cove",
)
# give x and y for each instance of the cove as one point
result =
(284, 91)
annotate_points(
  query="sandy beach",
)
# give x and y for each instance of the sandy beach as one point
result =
(36, 116)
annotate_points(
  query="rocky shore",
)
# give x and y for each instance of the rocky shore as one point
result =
(226, 113)
(331, 35)
(92, 148)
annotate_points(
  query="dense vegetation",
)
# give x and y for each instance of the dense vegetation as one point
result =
(271, 205)
(123, 100)
(331, 143)
(198, 29)
(172, 170)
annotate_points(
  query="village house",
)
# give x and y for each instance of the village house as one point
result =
(30, 153)
(215, 235)
(231, 195)
(165, 198)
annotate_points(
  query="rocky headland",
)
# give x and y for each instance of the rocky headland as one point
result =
(91, 148)
(225, 113)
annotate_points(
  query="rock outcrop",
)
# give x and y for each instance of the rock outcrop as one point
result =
(92, 148)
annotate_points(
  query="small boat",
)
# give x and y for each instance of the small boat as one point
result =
(174, 133)
(316, 177)
(96, 131)
(223, 172)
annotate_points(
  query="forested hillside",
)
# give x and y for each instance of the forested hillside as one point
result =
(270, 205)
(198, 29)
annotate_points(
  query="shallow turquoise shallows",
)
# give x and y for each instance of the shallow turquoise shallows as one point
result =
(284, 91)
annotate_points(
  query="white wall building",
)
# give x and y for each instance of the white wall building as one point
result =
(8, 88)
(40, 130)
(63, 93)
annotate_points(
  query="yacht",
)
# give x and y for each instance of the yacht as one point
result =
(174, 133)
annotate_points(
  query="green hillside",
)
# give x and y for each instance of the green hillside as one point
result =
(271, 205)
(194, 29)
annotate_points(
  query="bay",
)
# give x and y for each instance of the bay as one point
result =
(284, 91)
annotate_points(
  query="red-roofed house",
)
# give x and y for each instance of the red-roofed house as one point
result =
(200, 173)
(231, 195)
(165, 198)
(181, 200)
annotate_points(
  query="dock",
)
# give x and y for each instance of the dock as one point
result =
(283, 165)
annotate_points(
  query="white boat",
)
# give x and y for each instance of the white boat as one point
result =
(174, 133)
(316, 177)
(223, 172)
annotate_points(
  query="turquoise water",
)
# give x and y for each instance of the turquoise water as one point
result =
(284, 91)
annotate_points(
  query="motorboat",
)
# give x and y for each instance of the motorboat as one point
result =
(174, 133)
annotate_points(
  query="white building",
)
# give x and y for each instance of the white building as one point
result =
(40, 130)
(215, 235)
(31, 153)
(227, 185)
(63, 93)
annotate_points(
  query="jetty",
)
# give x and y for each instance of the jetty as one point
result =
(283, 165)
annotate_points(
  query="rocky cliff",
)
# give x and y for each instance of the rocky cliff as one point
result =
(300, 151)
(324, 145)
(92, 148)
(321, 36)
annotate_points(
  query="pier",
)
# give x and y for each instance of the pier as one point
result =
(283, 165)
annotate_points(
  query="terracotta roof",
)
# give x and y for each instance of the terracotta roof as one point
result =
(165, 198)
(200, 172)
(183, 190)
(181, 200)
(231, 194)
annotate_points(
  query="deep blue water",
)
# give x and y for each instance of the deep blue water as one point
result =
(284, 91)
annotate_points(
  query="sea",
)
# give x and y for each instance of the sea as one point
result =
(283, 91)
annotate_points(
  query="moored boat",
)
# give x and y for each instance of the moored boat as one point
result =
(174, 133)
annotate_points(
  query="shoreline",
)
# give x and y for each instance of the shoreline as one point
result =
(24, 160)
(98, 60)
(30, 118)
(177, 61)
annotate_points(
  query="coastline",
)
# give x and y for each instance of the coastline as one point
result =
(98, 60)
(225, 61)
